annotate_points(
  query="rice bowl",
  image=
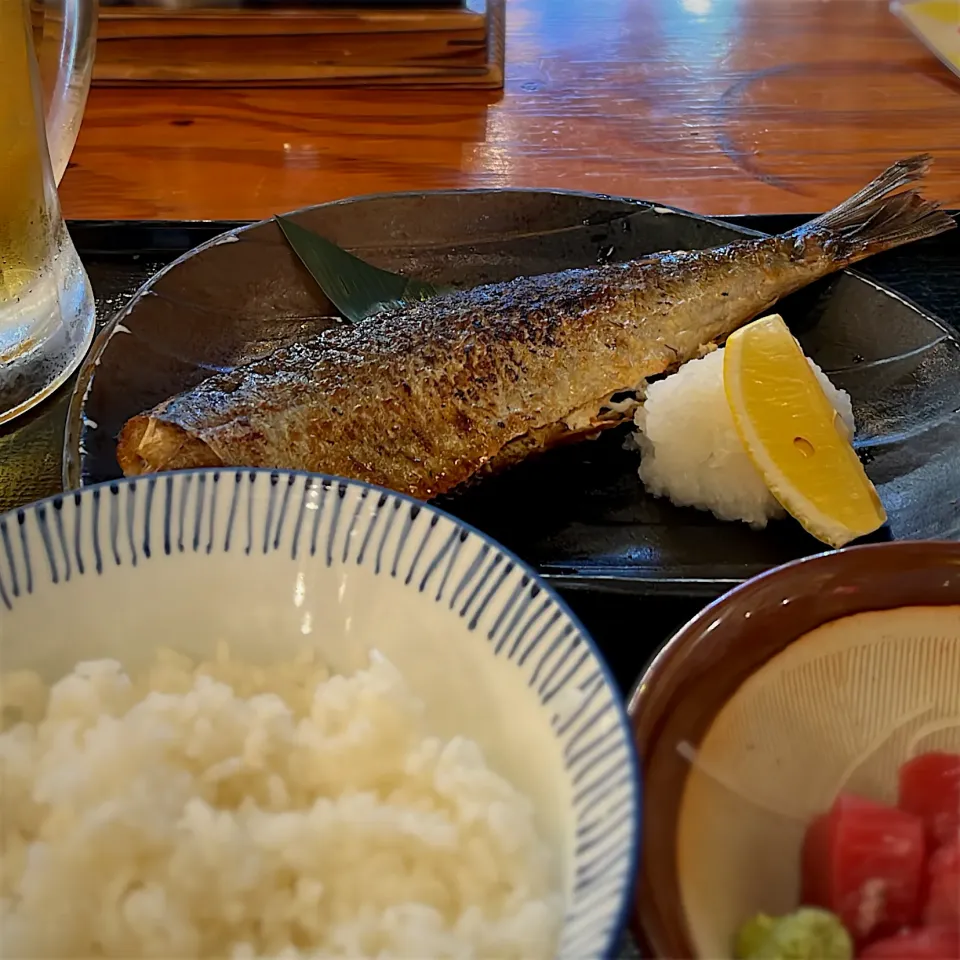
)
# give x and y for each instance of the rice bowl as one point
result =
(502, 734)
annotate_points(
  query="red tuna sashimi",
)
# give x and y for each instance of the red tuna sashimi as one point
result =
(926, 944)
(930, 789)
(865, 862)
(943, 896)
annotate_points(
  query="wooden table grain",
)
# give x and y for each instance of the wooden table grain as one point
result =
(719, 106)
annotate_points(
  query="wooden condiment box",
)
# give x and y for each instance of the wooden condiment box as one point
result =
(452, 44)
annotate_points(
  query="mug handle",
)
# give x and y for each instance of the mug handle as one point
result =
(65, 50)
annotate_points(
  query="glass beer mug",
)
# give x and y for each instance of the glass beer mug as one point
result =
(46, 305)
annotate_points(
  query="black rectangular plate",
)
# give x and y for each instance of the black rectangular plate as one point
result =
(119, 256)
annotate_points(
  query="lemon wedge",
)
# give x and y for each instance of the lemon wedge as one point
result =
(794, 436)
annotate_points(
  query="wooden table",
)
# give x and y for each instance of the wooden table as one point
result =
(720, 106)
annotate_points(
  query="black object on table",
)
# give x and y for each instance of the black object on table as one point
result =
(120, 256)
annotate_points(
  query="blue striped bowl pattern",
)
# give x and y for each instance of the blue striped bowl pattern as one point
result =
(271, 559)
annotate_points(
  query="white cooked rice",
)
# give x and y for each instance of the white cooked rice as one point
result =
(690, 449)
(230, 810)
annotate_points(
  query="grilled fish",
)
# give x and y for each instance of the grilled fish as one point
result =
(423, 397)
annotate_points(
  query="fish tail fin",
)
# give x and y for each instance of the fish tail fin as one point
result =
(879, 218)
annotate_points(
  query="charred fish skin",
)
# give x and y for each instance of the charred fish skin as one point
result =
(421, 398)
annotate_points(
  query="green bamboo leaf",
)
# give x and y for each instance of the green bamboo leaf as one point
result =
(356, 288)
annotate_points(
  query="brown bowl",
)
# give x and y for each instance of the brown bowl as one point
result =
(698, 684)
